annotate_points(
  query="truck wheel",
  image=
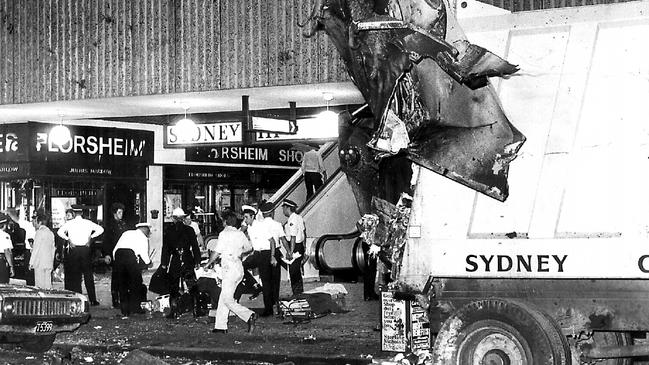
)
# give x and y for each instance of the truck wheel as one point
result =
(40, 343)
(612, 339)
(503, 332)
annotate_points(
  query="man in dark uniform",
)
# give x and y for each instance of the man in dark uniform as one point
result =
(114, 229)
(180, 253)
(6, 260)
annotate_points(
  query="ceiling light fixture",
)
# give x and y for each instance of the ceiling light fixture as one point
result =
(60, 135)
(185, 128)
(328, 115)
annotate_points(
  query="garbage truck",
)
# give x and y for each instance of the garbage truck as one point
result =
(543, 263)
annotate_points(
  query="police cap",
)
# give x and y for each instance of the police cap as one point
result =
(289, 203)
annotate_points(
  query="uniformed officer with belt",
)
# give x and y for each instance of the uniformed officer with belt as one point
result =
(80, 232)
(6, 260)
(264, 235)
(295, 237)
(131, 245)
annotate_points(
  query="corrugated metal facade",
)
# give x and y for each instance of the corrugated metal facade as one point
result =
(77, 49)
(6, 51)
(525, 5)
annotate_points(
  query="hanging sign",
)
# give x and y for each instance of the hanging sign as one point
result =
(267, 154)
(204, 134)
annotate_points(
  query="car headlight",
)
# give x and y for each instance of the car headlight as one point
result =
(74, 308)
(7, 307)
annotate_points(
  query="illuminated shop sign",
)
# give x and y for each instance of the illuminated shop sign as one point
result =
(91, 151)
(230, 132)
(211, 133)
(263, 154)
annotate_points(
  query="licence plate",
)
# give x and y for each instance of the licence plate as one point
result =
(44, 327)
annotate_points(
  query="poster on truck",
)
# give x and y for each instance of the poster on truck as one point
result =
(393, 323)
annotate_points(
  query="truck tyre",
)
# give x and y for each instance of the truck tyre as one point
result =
(39, 343)
(498, 331)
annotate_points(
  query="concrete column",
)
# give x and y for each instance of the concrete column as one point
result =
(154, 202)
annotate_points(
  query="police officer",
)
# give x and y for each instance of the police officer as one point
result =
(6, 260)
(295, 237)
(132, 246)
(232, 244)
(114, 229)
(180, 252)
(264, 235)
(80, 232)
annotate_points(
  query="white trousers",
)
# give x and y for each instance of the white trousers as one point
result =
(43, 278)
(232, 272)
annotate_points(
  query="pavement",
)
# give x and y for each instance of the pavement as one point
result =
(343, 338)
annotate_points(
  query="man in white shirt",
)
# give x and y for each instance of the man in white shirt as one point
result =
(314, 172)
(232, 244)
(79, 233)
(295, 237)
(132, 246)
(265, 235)
(6, 260)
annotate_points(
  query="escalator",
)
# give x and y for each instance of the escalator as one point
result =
(331, 210)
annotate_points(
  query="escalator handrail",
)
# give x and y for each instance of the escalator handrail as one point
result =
(320, 263)
(297, 180)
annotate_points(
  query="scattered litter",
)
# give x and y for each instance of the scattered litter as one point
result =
(88, 359)
(30, 358)
(419, 357)
(309, 339)
(97, 327)
(237, 342)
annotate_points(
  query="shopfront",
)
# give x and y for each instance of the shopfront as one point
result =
(246, 174)
(229, 165)
(94, 168)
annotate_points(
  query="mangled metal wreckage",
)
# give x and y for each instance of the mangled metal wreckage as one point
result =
(430, 100)
(431, 104)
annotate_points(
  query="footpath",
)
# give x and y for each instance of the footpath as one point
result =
(342, 338)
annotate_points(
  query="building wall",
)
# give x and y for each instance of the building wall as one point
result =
(79, 49)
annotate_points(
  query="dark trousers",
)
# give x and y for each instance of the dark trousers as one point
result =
(295, 270)
(77, 264)
(268, 276)
(313, 182)
(129, 281)
(4, 270)
(248, 285)
(114, 287)
(369, 278)
(181, 270)
(29, 274)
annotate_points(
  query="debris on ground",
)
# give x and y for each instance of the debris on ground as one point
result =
(419, 357)
(139, 357)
